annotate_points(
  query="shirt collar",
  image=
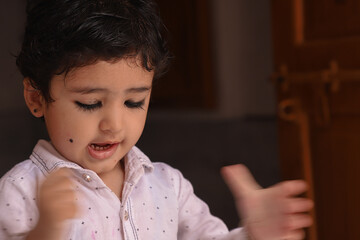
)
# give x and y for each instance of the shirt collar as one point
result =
(47, 158)
(136, 165)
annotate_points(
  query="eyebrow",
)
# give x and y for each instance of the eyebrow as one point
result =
(89, 90)
(138, 90)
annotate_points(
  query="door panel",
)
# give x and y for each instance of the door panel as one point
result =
(317, 66)
(324, 19)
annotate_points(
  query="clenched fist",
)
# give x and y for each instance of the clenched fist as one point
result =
(57, 203)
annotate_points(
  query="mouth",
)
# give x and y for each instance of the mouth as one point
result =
(102, 150)
(100, 147)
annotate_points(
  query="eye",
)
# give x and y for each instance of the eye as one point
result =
(88, 107)
(132, 104)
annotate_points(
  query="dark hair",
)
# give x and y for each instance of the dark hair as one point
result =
(64, 34)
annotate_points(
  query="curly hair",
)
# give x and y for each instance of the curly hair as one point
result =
(64, 34)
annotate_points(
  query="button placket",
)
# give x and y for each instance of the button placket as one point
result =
(126, 215)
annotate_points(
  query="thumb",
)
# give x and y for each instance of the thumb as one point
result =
(239, 180)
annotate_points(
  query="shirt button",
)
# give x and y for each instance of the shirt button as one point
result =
(126, 215)
(86, 177)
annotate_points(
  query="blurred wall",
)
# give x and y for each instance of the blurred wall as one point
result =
(11, 26)
(19, 131)
(243, 56)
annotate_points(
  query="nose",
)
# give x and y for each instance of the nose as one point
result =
(112, 121)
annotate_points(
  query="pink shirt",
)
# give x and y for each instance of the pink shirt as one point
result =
(158, 202)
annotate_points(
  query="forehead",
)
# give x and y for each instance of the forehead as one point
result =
(126, 71)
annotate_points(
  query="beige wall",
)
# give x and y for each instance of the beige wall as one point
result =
(242, 38)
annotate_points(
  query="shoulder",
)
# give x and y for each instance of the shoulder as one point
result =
(174, 177)
(18, 196)
(161, 173)
(167, 171)
(22, 179)
(159, 169)
(19, 171)
(164, 167)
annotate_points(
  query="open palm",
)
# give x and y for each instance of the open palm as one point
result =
(273, 213)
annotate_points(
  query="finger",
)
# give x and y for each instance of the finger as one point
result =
(298, 221)
(291, 188)
(62, 172)
(239, 179)
(61, 178)
(295, 235)
(58, 186)
(66, 195)
(297, 205)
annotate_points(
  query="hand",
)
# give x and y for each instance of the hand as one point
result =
(273, 213)
(57, 203)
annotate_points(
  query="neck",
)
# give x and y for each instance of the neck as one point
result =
(115, 179)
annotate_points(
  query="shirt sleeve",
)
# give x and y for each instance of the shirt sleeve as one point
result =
(18, 209)
(195, 219)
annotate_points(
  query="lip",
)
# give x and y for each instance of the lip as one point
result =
(102, 154)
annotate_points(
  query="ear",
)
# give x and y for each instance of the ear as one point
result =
(33, 98)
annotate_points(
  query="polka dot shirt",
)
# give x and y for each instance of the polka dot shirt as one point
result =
(157, 202)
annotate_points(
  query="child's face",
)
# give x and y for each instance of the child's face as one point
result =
(99, 112)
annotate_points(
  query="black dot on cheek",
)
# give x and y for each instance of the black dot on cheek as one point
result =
(71, 140)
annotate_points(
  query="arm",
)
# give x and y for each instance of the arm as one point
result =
(195, 219)
(269, 214)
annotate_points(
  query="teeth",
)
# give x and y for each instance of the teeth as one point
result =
(100, 148)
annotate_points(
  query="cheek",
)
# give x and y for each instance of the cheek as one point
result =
(76, 131)
(71, 139)
(68, 129)
(137, 127)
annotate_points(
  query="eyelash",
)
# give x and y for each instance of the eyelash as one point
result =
(131, 104)
(88, 107)
(92, 107)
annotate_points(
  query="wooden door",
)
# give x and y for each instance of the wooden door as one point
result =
(317, 78)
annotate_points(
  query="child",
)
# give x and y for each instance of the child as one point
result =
(88, 69)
